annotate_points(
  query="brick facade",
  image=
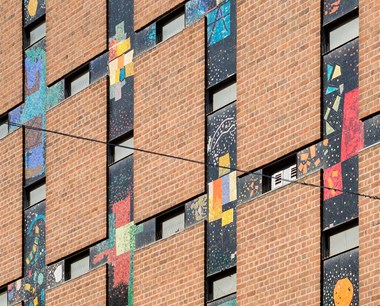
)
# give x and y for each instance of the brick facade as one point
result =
(11, 55)
(169, 118)
(369, 61)
(11, 207)
(278, 74)
(89, 289)
(369, 227)
(146, 11)
(76, 173)
(76, 31)
(278, 247)
(171, 272)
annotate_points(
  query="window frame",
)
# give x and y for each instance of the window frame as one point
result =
(170, 17)
(278, 166)
(336, 230)
(4, 121)
(216, 88)
(72, 259)
(29, 188)
(328, 28)
(118, 141)
(29, 28)
(215, 277)
(4, 290)
(74, 76)
(167, 216)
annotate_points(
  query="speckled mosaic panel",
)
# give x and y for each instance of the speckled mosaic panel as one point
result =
(249, 187)
(333, 9)
(221, 43)
(340, 76)
(341, 279)
(33, 9)
(221, 142)
(372, 131)
(118, 249)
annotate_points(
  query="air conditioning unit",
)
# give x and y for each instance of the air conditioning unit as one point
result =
(283, 177)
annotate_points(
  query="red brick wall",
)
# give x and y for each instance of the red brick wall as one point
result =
(10, 54)
(147, 10)
(369, 227)
(171, 271)
(278, 73)
(11, 207)
(76, 31)
(369, 60)
(89, 289)
(278, 247)
(169, 118)
(76, 173)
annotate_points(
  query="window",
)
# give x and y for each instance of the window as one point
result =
(341, 240)
(284, 177)
(280, 173)
(78, 81)
(118, 153)
(3, 297)
(171, 223)
(221, 284)
(35, 32)
(222, 95)
(171, 25)
(77, 265)
(3, 127)
(36, 193)
(342, 33)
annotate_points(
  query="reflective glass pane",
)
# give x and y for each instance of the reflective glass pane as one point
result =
(3, 298)
(120, 153)
(3, 129)
(37, 194)
(224, 286)
(173, 27)
(37, 32)
(79, 267)
(80, 83)
(344, 240)
(224, 96)
(173, 225)
(344, 33)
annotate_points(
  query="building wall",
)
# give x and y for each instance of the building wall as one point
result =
(11, 207)
(10, 55)
(146, 11)
(278, 75)
(76, 173)
(89, 289)
(278, 247)
(76, 31)
(169, 119)
(369, 76)
(369, 223)
(171, 272)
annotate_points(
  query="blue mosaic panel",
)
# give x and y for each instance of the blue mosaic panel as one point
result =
(219, 23)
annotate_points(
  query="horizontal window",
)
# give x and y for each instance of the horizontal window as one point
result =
(118, 153)
(35, 31)
(343, 33)
(221, 284)
(77, 265)
(3, 127)
(170, 223)
(224, 96)
(36, 193)
(77, 81)
(171, 25)
(3, 298)
(343, 240)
